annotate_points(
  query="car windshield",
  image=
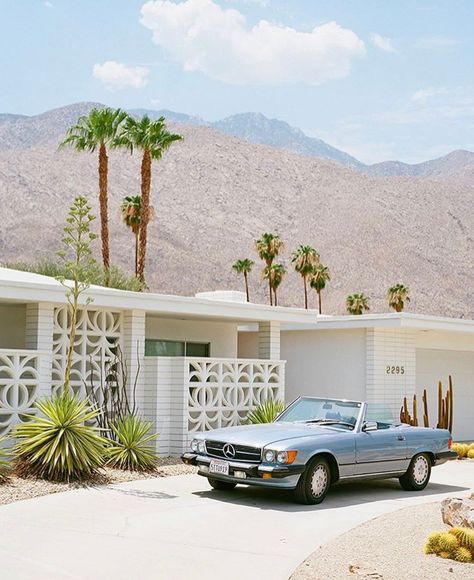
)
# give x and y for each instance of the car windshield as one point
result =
(325, 412)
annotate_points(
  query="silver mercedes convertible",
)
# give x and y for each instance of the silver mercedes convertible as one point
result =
(317, 442)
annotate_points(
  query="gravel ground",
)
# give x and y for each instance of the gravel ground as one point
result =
(386, 548)
(16, 489)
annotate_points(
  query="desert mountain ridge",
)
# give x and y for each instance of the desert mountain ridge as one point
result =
(214, 194)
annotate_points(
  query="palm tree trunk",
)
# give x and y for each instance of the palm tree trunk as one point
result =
(319, 302)
(145, 190)
(136, 253)
(246, 286)
(276, 299)
(104, 212)
(305, 293)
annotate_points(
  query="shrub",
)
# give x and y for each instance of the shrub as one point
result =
(266, 412)
(59, 445)
(133, 448)
(4, 464)
(461, 449)
(470, 453)
(456, 544)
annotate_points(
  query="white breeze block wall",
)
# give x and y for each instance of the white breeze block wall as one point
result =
(391, 367)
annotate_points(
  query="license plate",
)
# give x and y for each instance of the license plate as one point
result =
(219, 467)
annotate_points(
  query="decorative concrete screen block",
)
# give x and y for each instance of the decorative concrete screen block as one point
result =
(19, 386)
(223, 391)
(98, 334)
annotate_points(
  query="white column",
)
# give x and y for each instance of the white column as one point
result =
(133, 344)
(39, 336)
(269, 340)
(391, 367)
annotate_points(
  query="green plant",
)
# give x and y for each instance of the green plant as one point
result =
(4, 463)
(357, 303)
(59, 445)
(470, 454)
(319, 278)
(456, 544)
(133, 447)
(305, 259)
(244, 267)
(274, 274)
(98, 130)
(151, 138)
(397, 295)
(461, 449)
(268, 247)
(77, 257)
(463, 555)
(266, 411)
(465, 537)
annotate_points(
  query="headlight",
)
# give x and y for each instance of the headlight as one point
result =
(269, 455)
(282, 457)
(194, 445)
(201, 447)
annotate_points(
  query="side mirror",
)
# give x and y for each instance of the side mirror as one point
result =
(370, 426)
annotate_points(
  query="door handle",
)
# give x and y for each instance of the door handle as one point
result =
(401, 438)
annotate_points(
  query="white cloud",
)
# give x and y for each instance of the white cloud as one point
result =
(118, 76)
(204, 37)
(382, 42)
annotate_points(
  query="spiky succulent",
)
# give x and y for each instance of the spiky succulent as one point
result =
(463, 555)
(266, 411)
(134, 447)
(470, 453)
(4, 464)
(432, 545)
(461, 449)
(448, 543)
(444, 555)
(465, 537)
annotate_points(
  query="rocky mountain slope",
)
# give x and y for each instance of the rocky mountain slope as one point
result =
(214, 194)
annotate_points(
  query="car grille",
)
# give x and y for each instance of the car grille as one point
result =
(242, 452)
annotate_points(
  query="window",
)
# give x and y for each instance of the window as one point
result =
(155, 347)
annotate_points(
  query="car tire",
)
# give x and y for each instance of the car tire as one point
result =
(314, 482)
(221, 485)
(418, 473)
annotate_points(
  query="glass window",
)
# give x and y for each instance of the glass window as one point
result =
(343, 414)
(381, 413)
(155, 347)
(198, 349)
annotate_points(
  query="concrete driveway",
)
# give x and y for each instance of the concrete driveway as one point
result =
(176, 528)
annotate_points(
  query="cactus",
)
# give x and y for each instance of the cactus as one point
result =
(445, 408)
(433, 542)
(465, 536)
(461, 449)
(444, 555)
(426, 420)
(470, 453)
(448, 543)
(462, 555)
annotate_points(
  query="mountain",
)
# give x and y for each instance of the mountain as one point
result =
(214, 194)
(170, 116)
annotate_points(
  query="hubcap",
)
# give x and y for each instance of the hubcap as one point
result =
(319, 480)
(420, 469)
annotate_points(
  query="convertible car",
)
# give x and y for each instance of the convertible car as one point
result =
(317, 442)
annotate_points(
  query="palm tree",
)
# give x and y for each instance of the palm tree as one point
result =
(268, 247)
(244, 267)
(305, 259)
(131, 211)
(397, 296)
(319, 278)
(357, 303)
(99, 130)
(153, 139)
(274, 274)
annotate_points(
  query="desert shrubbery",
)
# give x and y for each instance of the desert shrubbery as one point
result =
(464, 450)
(455, 544)
(266, 412)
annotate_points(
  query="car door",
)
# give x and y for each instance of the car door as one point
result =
(381, 451)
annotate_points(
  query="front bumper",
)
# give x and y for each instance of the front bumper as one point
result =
(444, 456)
(283, 476)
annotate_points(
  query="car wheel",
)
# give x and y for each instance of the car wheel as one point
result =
(314, 482)
(418, 473)
(220, 485)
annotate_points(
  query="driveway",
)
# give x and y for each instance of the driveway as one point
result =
(175, 528)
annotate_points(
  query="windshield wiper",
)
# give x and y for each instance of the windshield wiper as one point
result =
(329, 422)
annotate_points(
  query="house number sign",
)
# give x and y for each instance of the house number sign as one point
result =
(394, 370)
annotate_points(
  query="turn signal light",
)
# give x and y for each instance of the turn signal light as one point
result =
(267, 476)
(291, 456)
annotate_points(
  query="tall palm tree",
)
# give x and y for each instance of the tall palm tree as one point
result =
(131, 211)
(151, 138)
(268, 247)
(357, 303)
(318, 280)
(99, 130)
(244, 267)
(397, 295)
(274, 274)
(305, 259)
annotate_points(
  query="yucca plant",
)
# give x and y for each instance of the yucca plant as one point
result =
(266, 412)
(4, 463)
(60, 445)
(133, 448)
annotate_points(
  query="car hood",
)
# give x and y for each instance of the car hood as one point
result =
(263, 435)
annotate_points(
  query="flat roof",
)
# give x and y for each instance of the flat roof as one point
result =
(20, 287)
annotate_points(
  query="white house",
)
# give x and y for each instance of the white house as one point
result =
(204, 361)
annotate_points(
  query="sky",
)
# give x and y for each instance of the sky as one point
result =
(379, 79)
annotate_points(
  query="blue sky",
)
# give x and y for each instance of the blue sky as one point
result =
(379, 79)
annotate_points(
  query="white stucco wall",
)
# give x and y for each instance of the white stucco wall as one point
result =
(221, 335)
(12, 326)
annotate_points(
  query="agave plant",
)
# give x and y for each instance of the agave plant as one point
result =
(60, 445)
(133, 448)
(266, 412)
(4, 464)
